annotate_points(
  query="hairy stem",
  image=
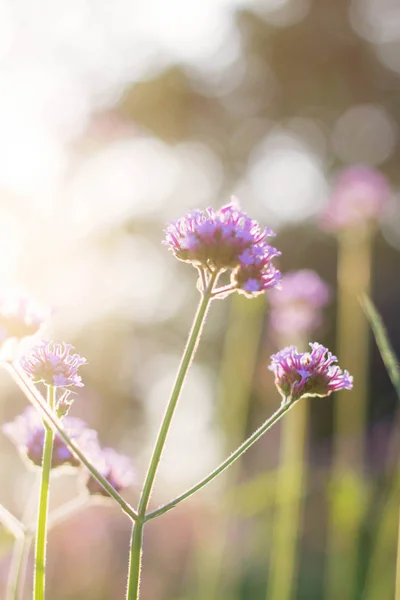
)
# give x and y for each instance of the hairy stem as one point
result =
(285, 406)
(137, 531)
(41, 531)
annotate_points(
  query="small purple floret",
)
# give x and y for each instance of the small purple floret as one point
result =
(53, 364)
(314, 373)
(27, 433)
(116, 468)
(226, 239)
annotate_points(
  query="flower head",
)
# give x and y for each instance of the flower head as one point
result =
(296, 307)
(359, 196)
(20, 317)
(27, 433)
(53, 364)
(226, 239)
(314, 373)
(116, 468)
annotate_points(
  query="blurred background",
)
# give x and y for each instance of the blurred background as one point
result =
(117, 117)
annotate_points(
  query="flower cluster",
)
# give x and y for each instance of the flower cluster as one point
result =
(296, 309)
(315, 373)
(359, 196)
(116, 468)
(53, 364)
(226, 239)
(20, 317)
(27, 433)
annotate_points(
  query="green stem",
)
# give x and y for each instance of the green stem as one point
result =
(349, 418)
(285, 406)
(137, 531)
(41, 532)
(135, 561)
(34, 397)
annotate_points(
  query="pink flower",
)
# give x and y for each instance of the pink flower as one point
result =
(315, 373)
(359, 196)
(296, 308)
(226, 239)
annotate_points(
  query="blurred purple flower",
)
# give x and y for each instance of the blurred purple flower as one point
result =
(53, 364)
(359, 196)
(296, 307)
(226, 239)
(299, 374)
(116, 468)
(27, 433)
(19, 317)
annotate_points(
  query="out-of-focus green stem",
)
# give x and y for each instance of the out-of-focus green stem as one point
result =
(20, 554)
(381, 579)
(354, 267)
(22, 546)
(289, 493)
(237, 369)
(393, 369)
(39, 574)
(397, 588)
(188, 354)
(16, 566)
(19, 559)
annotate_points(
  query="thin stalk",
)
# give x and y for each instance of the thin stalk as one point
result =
(354, 274)
(137, 530)
(19, 559)
(283, 409)
(41, 531)
(35, 398)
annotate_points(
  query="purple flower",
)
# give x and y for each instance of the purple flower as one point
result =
(299, 374)
(359, 196)
(27, 433)
(256, 273)
(116, 468)
(226, 239)
(19, 317)
(53, 364)
(296, 307)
